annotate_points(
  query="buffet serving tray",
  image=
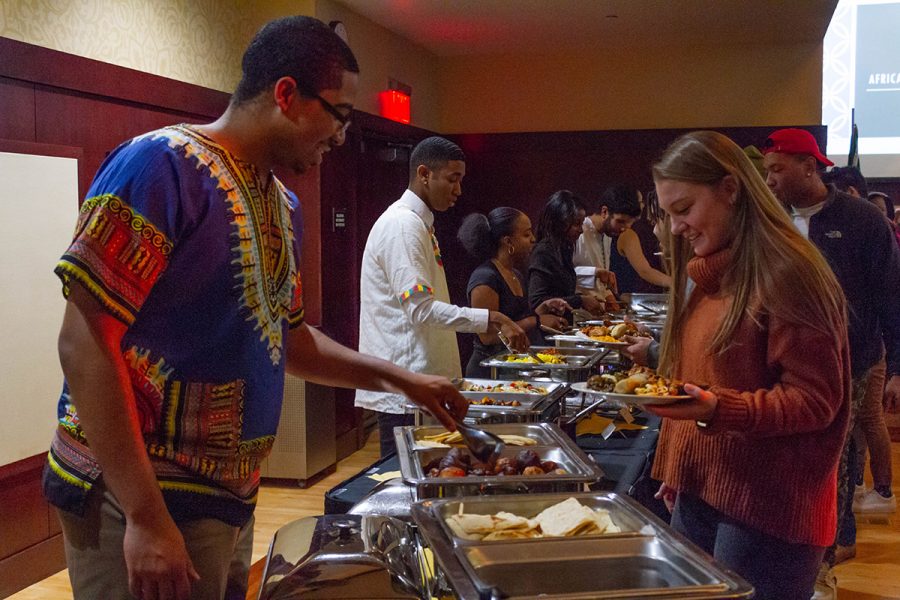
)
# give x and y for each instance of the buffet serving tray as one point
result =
(552, 444)
(575, 358)
(649, 561)
(532, 408)
(622, 513)
(528, 401)
(578, 365)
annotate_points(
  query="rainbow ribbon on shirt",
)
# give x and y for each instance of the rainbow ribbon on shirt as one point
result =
(437, 249)
(416, 289)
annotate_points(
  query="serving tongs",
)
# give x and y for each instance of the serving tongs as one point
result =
(484, 445)
(547, 329)
(650, 310)
(509, 347)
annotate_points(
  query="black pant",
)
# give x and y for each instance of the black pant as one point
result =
(777, 569)
(386, 424)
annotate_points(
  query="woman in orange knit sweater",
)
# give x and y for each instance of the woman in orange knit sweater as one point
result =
(750, 461)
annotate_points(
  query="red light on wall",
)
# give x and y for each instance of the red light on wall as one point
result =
(394, 105)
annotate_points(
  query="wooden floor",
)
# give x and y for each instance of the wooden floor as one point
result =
(874, 573)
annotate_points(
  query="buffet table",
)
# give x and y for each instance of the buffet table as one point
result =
(623, 458)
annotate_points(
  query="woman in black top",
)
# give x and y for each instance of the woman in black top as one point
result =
(503, 240)
(551, 272)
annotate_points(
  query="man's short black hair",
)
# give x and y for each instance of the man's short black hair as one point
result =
(303, 48)
(844, 177)
(621, 200)
(434, 153)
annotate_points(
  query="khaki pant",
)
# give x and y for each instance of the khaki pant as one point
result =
(220, 553)
(871, 431)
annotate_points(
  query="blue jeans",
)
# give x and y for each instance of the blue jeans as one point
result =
(386, 424)
(777, 569)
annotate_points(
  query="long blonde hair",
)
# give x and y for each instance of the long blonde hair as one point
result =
(773, 269)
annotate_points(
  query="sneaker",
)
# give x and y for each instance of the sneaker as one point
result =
(873, 502)
(860, 491)
(826, 584)
(844, 553)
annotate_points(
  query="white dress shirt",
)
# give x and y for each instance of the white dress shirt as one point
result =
(405, 314)
(592, 251)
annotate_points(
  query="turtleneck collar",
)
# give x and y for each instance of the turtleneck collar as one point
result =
(707, 271)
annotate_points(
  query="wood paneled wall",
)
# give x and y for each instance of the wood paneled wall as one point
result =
(523, 169)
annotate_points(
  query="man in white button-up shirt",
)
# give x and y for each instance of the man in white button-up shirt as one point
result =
(405, 312)
(616, 212)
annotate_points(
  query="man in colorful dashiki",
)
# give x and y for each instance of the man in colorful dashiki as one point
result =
(405, 312)
(184, 312)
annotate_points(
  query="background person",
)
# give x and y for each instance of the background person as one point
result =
(849, 180)
(551, 273)
(884, 203)
(753, 457)
(870, 431)
(594, 248)
(860, 248)
(183, 313)
(630, 261)
(503, 240)
(405, 312)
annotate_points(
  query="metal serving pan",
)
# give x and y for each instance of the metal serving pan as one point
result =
(527, 399)
(533, 407)
(578, 365)
(345, 556)
(552, 444)
(653, 562)
(622, 512)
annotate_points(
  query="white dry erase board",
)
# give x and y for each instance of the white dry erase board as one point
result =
(38, 210)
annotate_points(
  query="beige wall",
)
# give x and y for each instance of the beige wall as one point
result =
(382, 55)
(201, 42)
(662, 88)
(197, 41)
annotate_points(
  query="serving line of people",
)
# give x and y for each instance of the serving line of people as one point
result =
(155, 463)
(750, 295)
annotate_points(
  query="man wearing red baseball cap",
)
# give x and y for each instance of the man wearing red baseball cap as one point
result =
(795, 141)
(858, 243)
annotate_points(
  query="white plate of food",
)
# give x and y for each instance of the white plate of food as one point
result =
(633, 399)
(639, 386)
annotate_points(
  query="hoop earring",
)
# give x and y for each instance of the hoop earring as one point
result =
(510, 249)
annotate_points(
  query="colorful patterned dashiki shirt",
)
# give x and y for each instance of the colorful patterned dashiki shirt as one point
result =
(181, 241)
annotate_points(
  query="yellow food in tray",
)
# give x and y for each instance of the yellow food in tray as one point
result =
(553, 359)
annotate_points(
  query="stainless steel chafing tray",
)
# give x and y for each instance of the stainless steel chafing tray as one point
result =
(650, 561)
(631, 522)
(577, 366)
(345, 556)
(552, 444)
(533, 407)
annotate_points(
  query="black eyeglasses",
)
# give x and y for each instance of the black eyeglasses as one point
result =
(343, 119)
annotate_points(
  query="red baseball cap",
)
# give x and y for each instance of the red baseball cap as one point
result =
(794, 141)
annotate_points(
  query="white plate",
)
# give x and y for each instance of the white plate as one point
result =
(628, 398)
